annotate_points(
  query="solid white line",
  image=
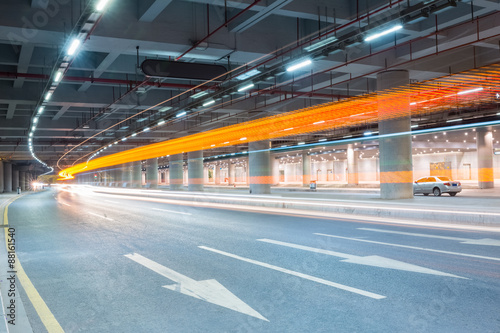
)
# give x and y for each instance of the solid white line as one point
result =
(412, 247)
(413, 234)
(301, 275)
(104, 217)
(171, 211)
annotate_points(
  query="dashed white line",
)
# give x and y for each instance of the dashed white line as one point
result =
(171, 211)
(412, 247)
(300, 275)
(104, 217)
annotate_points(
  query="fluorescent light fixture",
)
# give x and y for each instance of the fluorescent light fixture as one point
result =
(74, 45)
(417, 18)
(183, 113)
(498, 114)
(110, 145)
(161, 122)
(454, 120)
(146, 129)
(248, 86)
(35, 120)
(40, 109)
(383, 33)
(33, 127)
(200, 94)
(414, 126)
(367, 133)
(101, 4)
(347, 136)
(133, 134)
(299, 65)
(210, 102)
(243, 139)
(31, 134)
(124, 139)
(301, 143)
(165, 108)
(58, 76)
(469, 91)
(322, 140)
(320, 44)
(48, 95)
(319, 122)
(248, 74)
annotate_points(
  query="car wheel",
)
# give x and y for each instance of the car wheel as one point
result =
(426, 194)
(452, 194)
(436, 191)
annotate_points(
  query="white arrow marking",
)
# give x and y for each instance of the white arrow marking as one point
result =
(375, 261)
(412, 247)
(208, 290)
(300, 275)
(483, 241)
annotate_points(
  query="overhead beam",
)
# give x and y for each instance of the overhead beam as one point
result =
(23, 63)
(61, 112)
(149, 10)
(108, 61)
(260, 15)
(10, 110)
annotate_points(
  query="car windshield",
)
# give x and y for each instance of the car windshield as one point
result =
(444, 179)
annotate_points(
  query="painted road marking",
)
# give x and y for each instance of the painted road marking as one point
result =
(104, 217)
(43, 311)
(483, 241)
(412, 247)
(207, 290)
(375, 261)
(294, 273)
(171, 211)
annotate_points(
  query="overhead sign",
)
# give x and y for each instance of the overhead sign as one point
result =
(183, 70)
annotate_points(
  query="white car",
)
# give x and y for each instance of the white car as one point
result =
(436, 185)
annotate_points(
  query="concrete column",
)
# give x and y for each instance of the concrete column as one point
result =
(231, 173)
(7, 177)
(217, 174)
(352, 165)
(396, 170)
(306, 168)
(484, 142)
(176, 172)
(136, 175)
(22, 180)
(195, 170)
(260, 167)
(275, 164)
(1, 177)
(15, 179)
(152, 172)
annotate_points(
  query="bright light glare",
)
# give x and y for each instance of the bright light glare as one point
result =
(74, 45)
(301, 64)
(454, 120)
(48, 96)
(161, 122)
(100, 6)
(209, 103)
(58, 77)
(40, 109)
(248, 86)
(35, 120)
(383, 33)
(469, 91)
(181, 114)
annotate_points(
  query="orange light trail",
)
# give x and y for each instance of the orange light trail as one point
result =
(422, 98)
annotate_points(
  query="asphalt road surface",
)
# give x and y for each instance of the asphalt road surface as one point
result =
(109, 263)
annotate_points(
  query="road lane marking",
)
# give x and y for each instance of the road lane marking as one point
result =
(483, 241)
(374, 260)
(207, 290)
(171, 211)
(104, 217)
(41, 308)
(412, 247)
(298, 274)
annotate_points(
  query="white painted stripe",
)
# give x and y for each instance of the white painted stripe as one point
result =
(300, 275)
(104, 217)
(171, 211)
(412, 247)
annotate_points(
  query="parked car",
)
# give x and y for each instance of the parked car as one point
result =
(436, 185)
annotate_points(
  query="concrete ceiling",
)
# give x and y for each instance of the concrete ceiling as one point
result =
(100, 87)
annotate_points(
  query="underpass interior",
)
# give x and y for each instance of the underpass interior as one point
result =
(250, 166)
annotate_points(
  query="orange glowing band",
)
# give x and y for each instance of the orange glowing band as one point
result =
(422, 98)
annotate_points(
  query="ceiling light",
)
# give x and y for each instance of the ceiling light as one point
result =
(322, 140)
(124, 139)
(320, 44)
(247, 75)
(33, 127)
(367, 133)
(134, 134)
(146, 129)
(48, 95)
(414, 126)
(40, 109)
(58, 76)
(347, 136)
(74, 45)
(35, 120)
(301, 143)
(248, 86)
(383, 33)
(209, 102)
(301, 64)
(183, 113)
(165, 108)
(101, 4)
(469, 91)
(200, 94)
(161, 122)
(31, 134)
(454, 120)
